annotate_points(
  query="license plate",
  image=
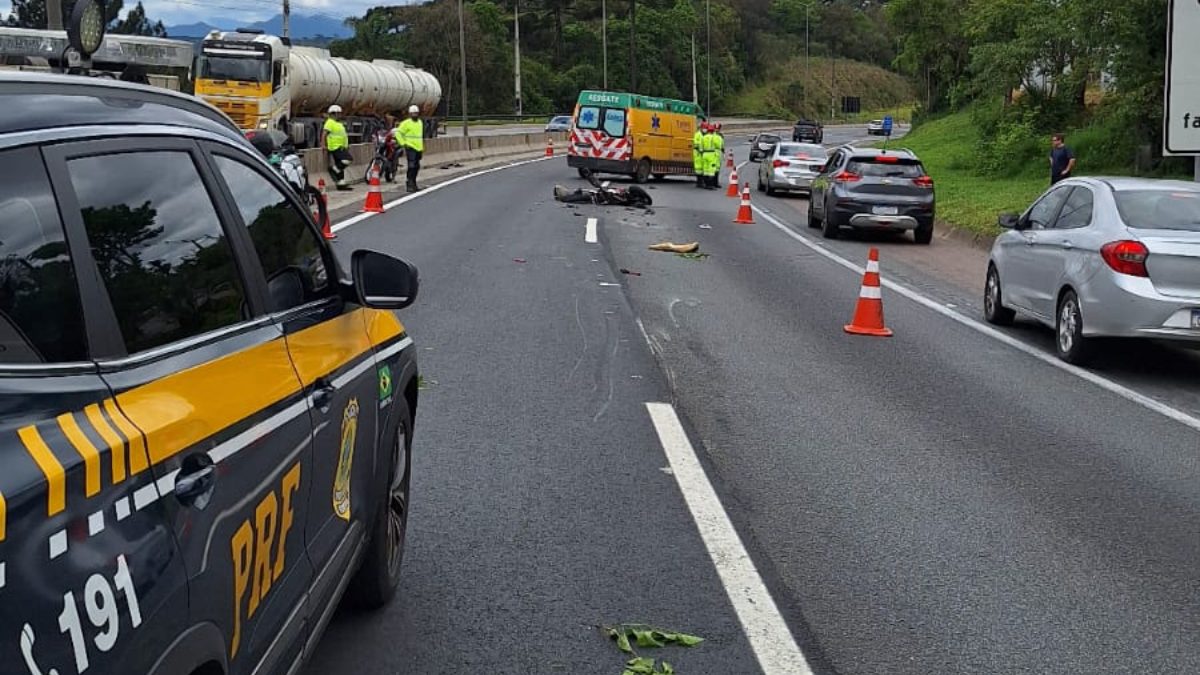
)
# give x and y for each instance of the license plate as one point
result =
(1196, 318)
(885, 210)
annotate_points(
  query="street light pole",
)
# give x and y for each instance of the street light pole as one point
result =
(462, 57)
(632, 46)
(604, 37)
(707, 59)
(807, 63)
(517, 50)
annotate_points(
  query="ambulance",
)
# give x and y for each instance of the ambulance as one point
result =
(631, 134)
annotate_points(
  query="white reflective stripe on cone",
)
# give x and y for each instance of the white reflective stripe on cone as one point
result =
(873, 266)
(870, 293)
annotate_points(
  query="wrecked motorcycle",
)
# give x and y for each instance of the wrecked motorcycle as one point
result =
(604, 194)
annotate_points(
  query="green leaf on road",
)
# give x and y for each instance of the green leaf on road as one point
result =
(641, 666)
(622, 639)
(667, 669)
(685, 639)
(646, 638)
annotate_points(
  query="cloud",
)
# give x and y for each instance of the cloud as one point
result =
(174, 12)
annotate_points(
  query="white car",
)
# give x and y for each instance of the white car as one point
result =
(875, 128)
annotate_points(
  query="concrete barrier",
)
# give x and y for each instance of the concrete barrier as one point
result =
(456, 149)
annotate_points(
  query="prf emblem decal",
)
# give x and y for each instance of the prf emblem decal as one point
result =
(341, 480)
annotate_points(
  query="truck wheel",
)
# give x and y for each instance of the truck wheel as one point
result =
(642, 175)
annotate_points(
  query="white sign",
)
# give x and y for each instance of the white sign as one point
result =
(1182, 110)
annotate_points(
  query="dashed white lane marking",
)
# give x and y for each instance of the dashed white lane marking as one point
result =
(1049, 359)
(589, 235)
(58, 544)
(123, 508)
(95, 523)
(416, 195)
(769, 636)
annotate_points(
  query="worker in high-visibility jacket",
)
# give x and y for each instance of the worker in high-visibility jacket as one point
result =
(698, 154)
(337, 144)
(410, 134)
(711, 159)
(718, 156)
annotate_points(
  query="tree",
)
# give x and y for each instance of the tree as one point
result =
(136, 23)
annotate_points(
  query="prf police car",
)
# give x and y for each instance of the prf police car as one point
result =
(204, 424)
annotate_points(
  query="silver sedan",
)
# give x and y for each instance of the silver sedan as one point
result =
(1096, 257)
(791, 166)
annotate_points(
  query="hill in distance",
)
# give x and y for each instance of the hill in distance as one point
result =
(303, 27)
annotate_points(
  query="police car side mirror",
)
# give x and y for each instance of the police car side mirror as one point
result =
(384, 282)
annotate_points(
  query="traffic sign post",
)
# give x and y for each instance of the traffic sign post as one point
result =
(1181, 118)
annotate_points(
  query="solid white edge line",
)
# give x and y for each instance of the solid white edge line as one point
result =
(589, 235)
(1049, 359)
(408, 198)
(768, 633)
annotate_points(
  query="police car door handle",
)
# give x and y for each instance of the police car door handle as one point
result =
(194, 484)
(323, 391)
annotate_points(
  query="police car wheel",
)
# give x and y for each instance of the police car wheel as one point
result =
(374, 585)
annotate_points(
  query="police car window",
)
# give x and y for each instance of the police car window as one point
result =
(159, 246)
(40, 315)
(614, 122)
(589, 117)
(286, 245)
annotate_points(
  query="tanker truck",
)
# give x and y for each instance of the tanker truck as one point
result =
(264, 82)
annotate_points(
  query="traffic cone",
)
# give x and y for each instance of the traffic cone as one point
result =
(868, 316)
(744, 215)
(374, 203)
(549, 147)
(733, 183)
(326, 226)
(729, 160)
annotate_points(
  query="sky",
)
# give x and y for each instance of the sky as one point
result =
(174, 12)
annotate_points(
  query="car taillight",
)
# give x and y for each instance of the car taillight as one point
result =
(923, 181)
(1126, 257)
(779, 162)
(887, 159)
(847, 177)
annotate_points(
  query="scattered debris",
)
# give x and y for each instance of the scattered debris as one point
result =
(451, 165)
(705, 226)
(630, 635)
(694, 255)
(423, 383)
(670, 247)
(520, 260)
(630, 272)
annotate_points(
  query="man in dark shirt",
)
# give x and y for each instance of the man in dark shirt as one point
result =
(1062, 160)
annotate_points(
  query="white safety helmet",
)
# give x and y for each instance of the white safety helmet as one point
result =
(414, 110)
(335, 108)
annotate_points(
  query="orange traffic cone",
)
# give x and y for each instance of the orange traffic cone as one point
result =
(744, 215)
(868, 316)
(374, 203)
(549, 147)
(326, 226)
(733, 183)
(729, 160)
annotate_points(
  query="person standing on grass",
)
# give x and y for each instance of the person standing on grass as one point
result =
(1062, 160)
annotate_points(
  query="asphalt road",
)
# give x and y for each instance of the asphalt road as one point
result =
(455, 129)
(937, 502)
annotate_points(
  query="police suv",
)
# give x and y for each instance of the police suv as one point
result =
(205, 425)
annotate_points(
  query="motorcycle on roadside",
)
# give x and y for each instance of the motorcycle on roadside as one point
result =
(387, 157)
(281, 154)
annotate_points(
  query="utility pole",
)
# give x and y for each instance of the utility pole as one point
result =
(832, 86)
(604, 38)
(54, 14)
(695, 92)
(462, 58)
(632, 46)
(708, 59)
(807, 63)
(287, 19)
(517, 49)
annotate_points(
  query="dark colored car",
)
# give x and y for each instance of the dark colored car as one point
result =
(762, 145)
(871, 189)
(205, 422)
(808, 131)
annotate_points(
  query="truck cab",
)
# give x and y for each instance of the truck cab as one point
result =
(244, 73)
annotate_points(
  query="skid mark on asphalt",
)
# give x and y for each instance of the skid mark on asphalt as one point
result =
(770, 639)
(1029, 350)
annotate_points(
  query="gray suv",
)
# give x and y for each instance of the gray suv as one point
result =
(873, 189)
